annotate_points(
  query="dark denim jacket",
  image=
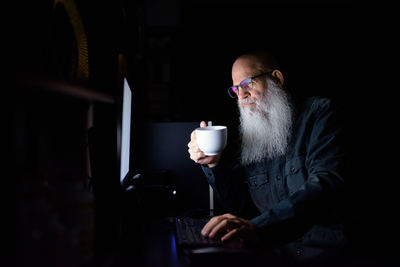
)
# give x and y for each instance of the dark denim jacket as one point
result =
(298, 194)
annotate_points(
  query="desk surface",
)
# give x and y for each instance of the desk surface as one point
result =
(160, 249)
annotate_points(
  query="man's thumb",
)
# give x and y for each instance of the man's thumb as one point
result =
(203, 124)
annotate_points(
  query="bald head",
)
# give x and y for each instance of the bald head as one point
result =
(254, 63)
(260, 61)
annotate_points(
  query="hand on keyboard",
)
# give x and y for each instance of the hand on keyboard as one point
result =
(188, 232)
(230, 228)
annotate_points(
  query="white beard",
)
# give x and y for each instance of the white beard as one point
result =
(265, 130)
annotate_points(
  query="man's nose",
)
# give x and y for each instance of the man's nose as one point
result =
(243, 93)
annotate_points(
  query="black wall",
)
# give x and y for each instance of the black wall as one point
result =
(179, 56)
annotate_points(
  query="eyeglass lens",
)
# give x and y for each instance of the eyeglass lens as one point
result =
(245, 84)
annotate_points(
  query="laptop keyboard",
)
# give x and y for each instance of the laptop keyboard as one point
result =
(188, 233)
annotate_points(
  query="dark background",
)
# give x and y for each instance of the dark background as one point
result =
(179, 56)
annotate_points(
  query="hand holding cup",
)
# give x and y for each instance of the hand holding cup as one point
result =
(207, 143)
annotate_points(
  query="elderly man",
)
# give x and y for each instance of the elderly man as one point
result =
(286, 188)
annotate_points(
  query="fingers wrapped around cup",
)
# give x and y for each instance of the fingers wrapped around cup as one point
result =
(198, 155)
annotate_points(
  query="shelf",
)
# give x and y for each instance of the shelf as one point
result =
(70, 90)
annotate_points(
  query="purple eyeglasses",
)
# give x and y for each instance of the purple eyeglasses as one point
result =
(246, 84)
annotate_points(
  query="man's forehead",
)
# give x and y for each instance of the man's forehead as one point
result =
(248, 63)
(243, 69)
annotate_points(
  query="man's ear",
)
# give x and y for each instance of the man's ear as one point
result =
(278, 76)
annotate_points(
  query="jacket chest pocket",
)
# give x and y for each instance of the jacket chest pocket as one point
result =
(295, 173)
(257, 181)
(260, 192)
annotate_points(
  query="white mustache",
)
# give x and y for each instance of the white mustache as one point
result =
(248, 101)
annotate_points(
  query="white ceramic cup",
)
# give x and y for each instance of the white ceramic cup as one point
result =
(212, 139)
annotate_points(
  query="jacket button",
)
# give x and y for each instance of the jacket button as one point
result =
(278, 177)
(292, 169)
